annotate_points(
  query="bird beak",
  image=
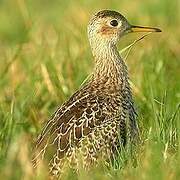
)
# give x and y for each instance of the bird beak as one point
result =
(143, 29)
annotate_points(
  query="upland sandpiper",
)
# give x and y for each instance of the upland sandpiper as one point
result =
(100, 116)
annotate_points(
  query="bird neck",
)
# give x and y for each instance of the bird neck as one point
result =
(108, 64)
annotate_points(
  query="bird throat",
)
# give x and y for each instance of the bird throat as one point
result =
(109, 65)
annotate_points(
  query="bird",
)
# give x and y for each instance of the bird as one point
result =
(99, 117)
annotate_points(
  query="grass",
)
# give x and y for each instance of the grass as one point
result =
(45, 56)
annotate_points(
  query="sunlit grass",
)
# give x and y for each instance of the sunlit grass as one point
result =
(45, 56)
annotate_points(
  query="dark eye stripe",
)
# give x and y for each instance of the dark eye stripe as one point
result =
(114, 23)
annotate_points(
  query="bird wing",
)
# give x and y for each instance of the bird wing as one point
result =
(73, 121)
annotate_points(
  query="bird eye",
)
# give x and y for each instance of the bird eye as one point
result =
(114, 23)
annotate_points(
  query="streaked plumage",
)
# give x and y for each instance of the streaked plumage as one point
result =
(100, 116)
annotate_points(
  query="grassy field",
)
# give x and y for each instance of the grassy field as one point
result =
(45, 56)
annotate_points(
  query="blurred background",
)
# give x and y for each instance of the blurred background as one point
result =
(45, 56)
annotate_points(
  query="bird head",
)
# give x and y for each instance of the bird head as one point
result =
(108, 26)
